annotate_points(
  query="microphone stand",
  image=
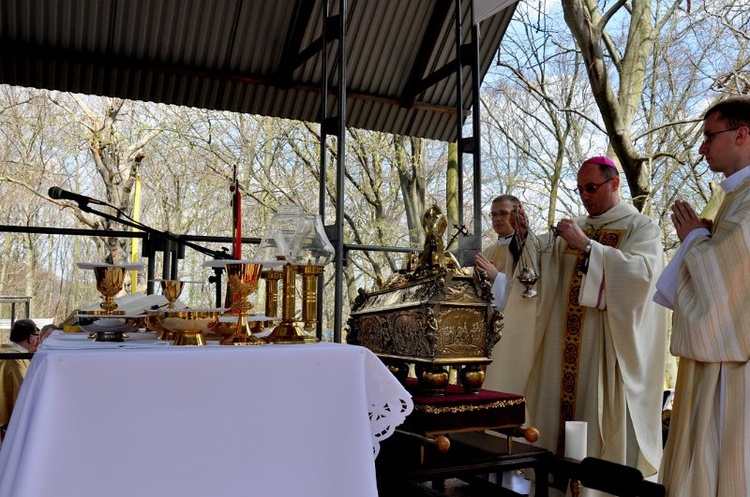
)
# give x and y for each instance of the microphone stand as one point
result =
(216, 254)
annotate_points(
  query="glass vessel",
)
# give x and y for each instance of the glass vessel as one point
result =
(310, 245)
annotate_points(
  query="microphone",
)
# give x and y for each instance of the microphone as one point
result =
(58, 193)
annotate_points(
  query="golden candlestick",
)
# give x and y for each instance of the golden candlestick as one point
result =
(310, 274)
(243, 278)
(271, 278)
(289, 330)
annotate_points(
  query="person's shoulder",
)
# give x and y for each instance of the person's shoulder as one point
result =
(7, 348)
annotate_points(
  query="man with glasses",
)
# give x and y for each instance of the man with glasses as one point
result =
(503, 373)
(500, 215)
(706, 284)
(596, 340)
(24, 338)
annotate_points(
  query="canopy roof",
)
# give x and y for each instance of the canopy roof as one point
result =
(255, 56)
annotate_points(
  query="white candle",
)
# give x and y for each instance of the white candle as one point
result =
(575, 439)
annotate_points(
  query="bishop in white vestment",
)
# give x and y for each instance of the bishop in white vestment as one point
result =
(594, 342)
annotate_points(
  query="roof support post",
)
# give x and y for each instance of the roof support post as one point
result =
(469, 246)
(323, 147)
(475, 241)
(459, 122)
(340, 169)
(335, 124)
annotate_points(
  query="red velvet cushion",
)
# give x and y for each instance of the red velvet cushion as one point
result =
(457, 410)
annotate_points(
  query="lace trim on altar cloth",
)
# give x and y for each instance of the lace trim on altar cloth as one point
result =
(388, 401)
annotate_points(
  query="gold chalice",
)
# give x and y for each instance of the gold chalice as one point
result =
(109, 281)
(188, 325)
(171, 289)
(243, 278)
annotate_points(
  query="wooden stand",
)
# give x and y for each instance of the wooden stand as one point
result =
(450, 436)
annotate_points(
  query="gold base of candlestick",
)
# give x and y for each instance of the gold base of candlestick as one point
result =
(290, 332)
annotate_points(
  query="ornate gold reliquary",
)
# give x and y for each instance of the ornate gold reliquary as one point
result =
(431, 314)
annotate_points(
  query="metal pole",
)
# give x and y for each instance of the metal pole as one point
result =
(323, 156)
(476, 239)
(340, 165)
(459, 130)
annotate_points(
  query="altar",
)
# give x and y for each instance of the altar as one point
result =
(272, 420)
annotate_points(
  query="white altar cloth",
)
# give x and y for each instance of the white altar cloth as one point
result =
(267, 421)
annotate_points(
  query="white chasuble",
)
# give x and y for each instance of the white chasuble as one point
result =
(708, 450)
(595, 343)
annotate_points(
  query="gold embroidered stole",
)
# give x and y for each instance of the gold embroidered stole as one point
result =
(573, 333)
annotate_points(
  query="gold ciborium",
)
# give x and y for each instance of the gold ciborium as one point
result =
(243, 278)
(154, 323)
(188, 325)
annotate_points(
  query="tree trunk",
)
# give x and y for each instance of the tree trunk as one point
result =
(410, 165)
(587, 24)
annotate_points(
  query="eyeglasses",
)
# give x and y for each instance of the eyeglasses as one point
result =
(708, 137)
(592, 187)
(495, 214)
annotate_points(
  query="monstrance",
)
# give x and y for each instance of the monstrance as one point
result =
(171, 289)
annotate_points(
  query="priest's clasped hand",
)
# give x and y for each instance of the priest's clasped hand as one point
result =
(686, 220)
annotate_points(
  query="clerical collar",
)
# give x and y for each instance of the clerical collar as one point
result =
(504, 240)
(733, 181)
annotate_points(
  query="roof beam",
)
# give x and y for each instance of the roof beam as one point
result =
(449, 69)
(291, 56)
(439, 17)
(23, 64)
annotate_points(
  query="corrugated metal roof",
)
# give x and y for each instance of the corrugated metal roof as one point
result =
(253, 56)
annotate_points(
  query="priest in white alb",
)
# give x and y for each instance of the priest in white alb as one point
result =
(706, 283)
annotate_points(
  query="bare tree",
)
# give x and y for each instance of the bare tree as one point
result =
(116, 149)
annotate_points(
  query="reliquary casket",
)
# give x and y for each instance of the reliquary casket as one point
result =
(432, 314)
